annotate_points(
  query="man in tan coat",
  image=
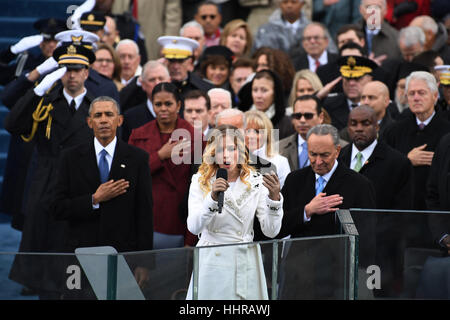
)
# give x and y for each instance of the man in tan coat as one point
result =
(157, 18)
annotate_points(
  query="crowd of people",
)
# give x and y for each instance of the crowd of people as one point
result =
(122, 123)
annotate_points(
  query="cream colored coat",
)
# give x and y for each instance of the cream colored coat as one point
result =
(232, 272)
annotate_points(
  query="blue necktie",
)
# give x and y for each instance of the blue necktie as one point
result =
(369, 41)
(320, 185)
(103, 166)
(303, 157)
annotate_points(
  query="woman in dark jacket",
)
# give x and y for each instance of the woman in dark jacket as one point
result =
(265, 93)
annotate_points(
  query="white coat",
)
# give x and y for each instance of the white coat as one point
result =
(232, 272)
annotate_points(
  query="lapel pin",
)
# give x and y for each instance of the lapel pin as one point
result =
(122, 165)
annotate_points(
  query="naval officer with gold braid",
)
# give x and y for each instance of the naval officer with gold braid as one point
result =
(55, 120)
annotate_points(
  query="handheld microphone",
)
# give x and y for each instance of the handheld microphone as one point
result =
(221, 173)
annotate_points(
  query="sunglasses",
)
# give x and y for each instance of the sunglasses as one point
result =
(299, 115)
(210, 16)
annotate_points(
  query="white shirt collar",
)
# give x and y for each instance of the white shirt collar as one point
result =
(323, 59)
(150, 108)
(327, 176)
(110, 148)
(300, 140)
(426, 122)
(374, 31)
(366, 153)
(270, 112)
(78, 99)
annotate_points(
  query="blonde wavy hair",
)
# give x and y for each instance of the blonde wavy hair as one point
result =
(209, 165)
(232, 26)
(255, 119)
(307, 75)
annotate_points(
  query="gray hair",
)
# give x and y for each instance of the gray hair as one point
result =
(228, 113)
(220, 90)
(104, 99)
(429, 79)
(324, 130)
(429, 23)
(128, 41)
(192, 23)
(151, 65)
(411, 36)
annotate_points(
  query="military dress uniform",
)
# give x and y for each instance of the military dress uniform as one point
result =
(54, 127)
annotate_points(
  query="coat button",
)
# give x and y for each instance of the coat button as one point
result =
(217, 254)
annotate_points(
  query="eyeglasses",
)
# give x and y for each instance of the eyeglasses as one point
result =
(299, 115)
(210, 16)
(315, 38)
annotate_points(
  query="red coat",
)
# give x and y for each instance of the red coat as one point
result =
(170, 181)
(423, 8)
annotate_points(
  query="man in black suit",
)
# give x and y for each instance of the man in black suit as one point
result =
(311, 197)
(417, 135)
(315, 42)
(62, 125)
(314, 193)
(153, 73)
(104, 191)
(392, 176)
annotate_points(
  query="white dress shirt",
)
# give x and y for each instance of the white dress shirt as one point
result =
(323, 59)
(78, 99)
(427, 121)
(150, 108)
(300, 148)
(366, 153)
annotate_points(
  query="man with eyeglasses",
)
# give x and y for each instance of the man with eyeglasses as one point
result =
(307, 113)
(315, 42)
(208, 15)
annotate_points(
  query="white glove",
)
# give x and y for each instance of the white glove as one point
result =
(48, 65)
(27, 43)
(87, 6)
(48, 81)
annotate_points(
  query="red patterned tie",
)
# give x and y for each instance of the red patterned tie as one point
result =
(317, 64)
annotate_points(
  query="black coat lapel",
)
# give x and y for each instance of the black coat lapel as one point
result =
(89, 161)
(119, 162)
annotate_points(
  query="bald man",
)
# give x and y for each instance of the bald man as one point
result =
(375, 94)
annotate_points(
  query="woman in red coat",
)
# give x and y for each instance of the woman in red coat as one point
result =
(171, 170)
